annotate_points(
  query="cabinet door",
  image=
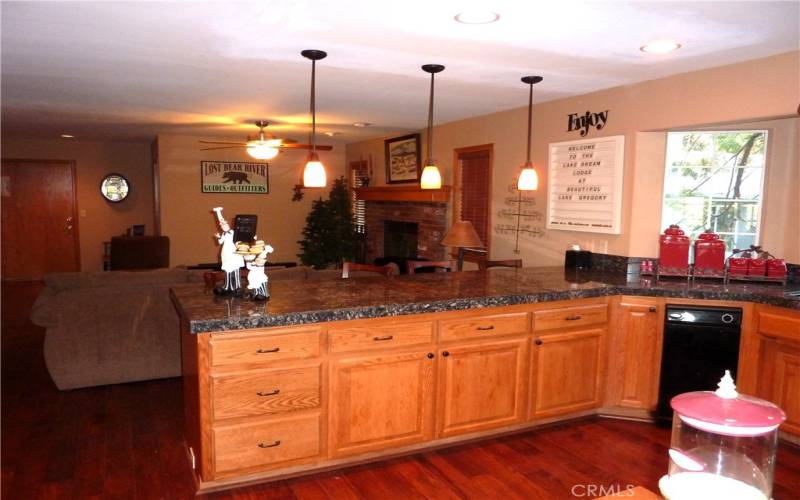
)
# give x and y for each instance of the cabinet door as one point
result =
(481, 386)
(640, 332)
(381, 401)
(566, 372)
(779, 378)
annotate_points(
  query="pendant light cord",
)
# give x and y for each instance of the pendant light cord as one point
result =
(314, 108)
(530, 124)
(430, 125)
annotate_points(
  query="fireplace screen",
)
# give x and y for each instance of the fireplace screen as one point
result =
(400, 239)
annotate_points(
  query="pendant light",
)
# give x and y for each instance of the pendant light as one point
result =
(314, 172)
(431, 178)
(528, 178)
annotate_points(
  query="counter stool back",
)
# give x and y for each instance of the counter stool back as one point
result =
(445, 265)
(389, 269)
(486, 264)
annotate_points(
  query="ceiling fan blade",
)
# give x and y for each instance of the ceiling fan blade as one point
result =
(220, 147)
(224, 142)
(306, 146)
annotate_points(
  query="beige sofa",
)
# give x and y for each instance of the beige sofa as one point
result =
(120, 326)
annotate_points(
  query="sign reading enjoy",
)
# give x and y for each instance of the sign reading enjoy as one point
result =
(586, 121)
(234, 177)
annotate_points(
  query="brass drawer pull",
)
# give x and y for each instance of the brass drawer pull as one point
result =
(484, 328)
(266, 351)
(270, 393)
(573, 317)
(387, 337)
(273, 445)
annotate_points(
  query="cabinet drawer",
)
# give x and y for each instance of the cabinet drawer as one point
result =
(265, 392)
(779, 324)
(266, 442)
(231, 349)
(376, 337)
(483, 326)
(568, 317)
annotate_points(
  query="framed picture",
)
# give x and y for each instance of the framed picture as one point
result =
(402, 159)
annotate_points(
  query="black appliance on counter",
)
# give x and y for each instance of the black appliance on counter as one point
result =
(700, 343)
(578, 259)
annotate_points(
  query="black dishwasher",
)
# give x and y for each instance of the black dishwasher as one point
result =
(700, 343)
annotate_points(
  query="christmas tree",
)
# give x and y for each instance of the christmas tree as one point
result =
(330, 235)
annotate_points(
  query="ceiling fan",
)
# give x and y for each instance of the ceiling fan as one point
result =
(265, 147)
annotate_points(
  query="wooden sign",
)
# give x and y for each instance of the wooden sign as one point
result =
(585, 185)
(234, 177)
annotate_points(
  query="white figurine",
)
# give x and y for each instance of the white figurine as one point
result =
(257, 280)
(230, 260)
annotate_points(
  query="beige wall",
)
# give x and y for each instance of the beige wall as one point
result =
(750, 91)
(185, 212)
(98, 219)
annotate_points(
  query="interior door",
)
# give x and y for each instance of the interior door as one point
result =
(39, 223)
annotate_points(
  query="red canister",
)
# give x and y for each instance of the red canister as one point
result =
(776, 268)
(709, 255)
(738, 266)
(757, 267)
(673, 254)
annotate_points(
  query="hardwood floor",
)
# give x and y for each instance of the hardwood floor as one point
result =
(124, 441)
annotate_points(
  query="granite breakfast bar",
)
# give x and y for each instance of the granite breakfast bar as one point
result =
(329, 373)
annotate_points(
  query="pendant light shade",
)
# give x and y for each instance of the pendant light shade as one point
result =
(314, 172)
(431, 178)
(528, 178)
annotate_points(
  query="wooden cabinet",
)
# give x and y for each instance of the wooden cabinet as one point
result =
(481, 386)
(778, 362)
(381, 401)
(566, 372)
(638, 336)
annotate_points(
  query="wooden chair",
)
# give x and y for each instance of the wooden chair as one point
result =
(389, 269)
(446, 265)
(486, 264)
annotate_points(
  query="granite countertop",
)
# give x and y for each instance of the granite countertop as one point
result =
(300, 302)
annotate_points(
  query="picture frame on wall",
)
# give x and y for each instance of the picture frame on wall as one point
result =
(403, 162)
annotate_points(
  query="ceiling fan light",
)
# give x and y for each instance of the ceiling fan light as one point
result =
(314, 174)
(262, 150)
(528, 179)
(431, 178)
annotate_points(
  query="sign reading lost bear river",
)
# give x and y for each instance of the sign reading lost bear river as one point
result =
(234, 177)
(585, 185)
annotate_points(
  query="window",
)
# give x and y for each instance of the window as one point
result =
(359, 207)
(473, 185)
(714, 181)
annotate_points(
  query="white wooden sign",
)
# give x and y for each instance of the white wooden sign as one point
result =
(585, 185)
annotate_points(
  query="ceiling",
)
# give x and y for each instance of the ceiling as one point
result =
(129, 71)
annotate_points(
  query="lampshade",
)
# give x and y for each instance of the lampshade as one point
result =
(314, 173)
(263, 149)
(430, 178)
(462, 235)
(528, 179)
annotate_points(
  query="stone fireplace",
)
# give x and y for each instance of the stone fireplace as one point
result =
(393, 226)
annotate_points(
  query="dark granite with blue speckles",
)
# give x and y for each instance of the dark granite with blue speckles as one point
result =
(300, 302)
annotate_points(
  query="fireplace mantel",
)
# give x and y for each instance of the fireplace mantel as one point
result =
(403, 193)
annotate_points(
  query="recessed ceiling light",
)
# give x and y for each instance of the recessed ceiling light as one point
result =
(660, 46)
(477, 16)
(362, 124)
(67, 136)
(331, 134)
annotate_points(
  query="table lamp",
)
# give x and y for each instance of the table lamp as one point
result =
(462, 235)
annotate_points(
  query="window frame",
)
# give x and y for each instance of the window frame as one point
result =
(768, 133)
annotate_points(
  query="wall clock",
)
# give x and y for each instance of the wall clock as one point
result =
(114, 188)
